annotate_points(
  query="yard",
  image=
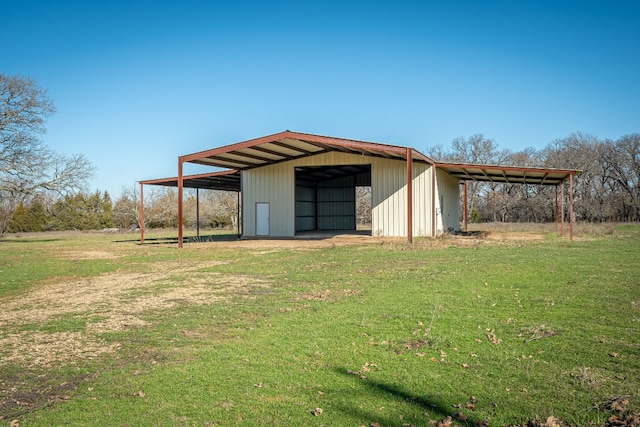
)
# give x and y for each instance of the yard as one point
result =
(508, 327)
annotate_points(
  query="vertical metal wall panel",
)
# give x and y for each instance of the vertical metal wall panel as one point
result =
(276, 184)
(388, 186)
(448, 202)
(336, 206)
(305, 204)
(273, 184)
(422, 209)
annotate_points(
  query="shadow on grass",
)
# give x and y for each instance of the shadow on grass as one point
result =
(186, 239)
(26, 240)
(432, 407)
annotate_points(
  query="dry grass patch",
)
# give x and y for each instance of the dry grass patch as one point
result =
(106, 303)
(84, 255)
(327, 295)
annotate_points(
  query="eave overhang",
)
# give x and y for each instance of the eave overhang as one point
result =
(224, 181)
(507, 174)
(288, 145)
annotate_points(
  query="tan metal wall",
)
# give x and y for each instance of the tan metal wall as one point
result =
(422, 201)
(276, 184)
(448, 202)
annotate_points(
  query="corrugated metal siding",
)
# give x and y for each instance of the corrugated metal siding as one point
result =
(275, 184)
(422, 209)
(305, 208)
(337, 205)
(448, 202)
(388, 198)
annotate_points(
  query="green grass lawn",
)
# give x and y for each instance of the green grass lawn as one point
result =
(97, 331)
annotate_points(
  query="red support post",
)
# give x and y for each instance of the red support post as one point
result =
(180, 207)
(434, 224)
(556, 214)
(141, 225)
(562, 209)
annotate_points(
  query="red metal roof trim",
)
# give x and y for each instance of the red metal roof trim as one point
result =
(287, 141)
(508, 174)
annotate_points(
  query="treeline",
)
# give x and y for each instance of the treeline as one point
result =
(607, 189)
(97, 211)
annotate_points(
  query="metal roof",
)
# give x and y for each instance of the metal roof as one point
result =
(288, 145)
(507, 174)
(225, 180)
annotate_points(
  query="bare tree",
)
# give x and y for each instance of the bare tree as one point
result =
(220, 209)
(623, 173)
(608, 189)
(363, 206)
(27, 165)
(126, 209)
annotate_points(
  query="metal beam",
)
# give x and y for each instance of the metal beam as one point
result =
(434, 223)
(180, 202)
(556, 212)
(562, 209)
(409, 197)
(141, 225)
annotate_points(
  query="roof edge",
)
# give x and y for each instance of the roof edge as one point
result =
(506, 167)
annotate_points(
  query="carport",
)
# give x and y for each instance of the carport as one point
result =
(224, 181)
(516, 175)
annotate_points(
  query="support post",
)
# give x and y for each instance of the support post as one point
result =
(562, 209)
(238, 215)
(409, 196)
(180, 204)
(556, 212)
(198, 214)
(141, 225)
(434, 223)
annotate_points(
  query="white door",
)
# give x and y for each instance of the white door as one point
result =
(262, 219)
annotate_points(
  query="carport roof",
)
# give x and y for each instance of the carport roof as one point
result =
(507, 174)
(225, 180)
(288, 145)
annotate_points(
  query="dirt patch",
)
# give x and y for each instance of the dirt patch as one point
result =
(510, 236)
(106, 303)
(327, 295)
(265, 246)
(273, 245)
(80, 255)
(17, 401)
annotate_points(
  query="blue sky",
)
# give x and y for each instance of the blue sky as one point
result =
(138, 83)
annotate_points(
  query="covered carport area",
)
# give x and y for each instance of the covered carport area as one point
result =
(517, 175)
(229, 180)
